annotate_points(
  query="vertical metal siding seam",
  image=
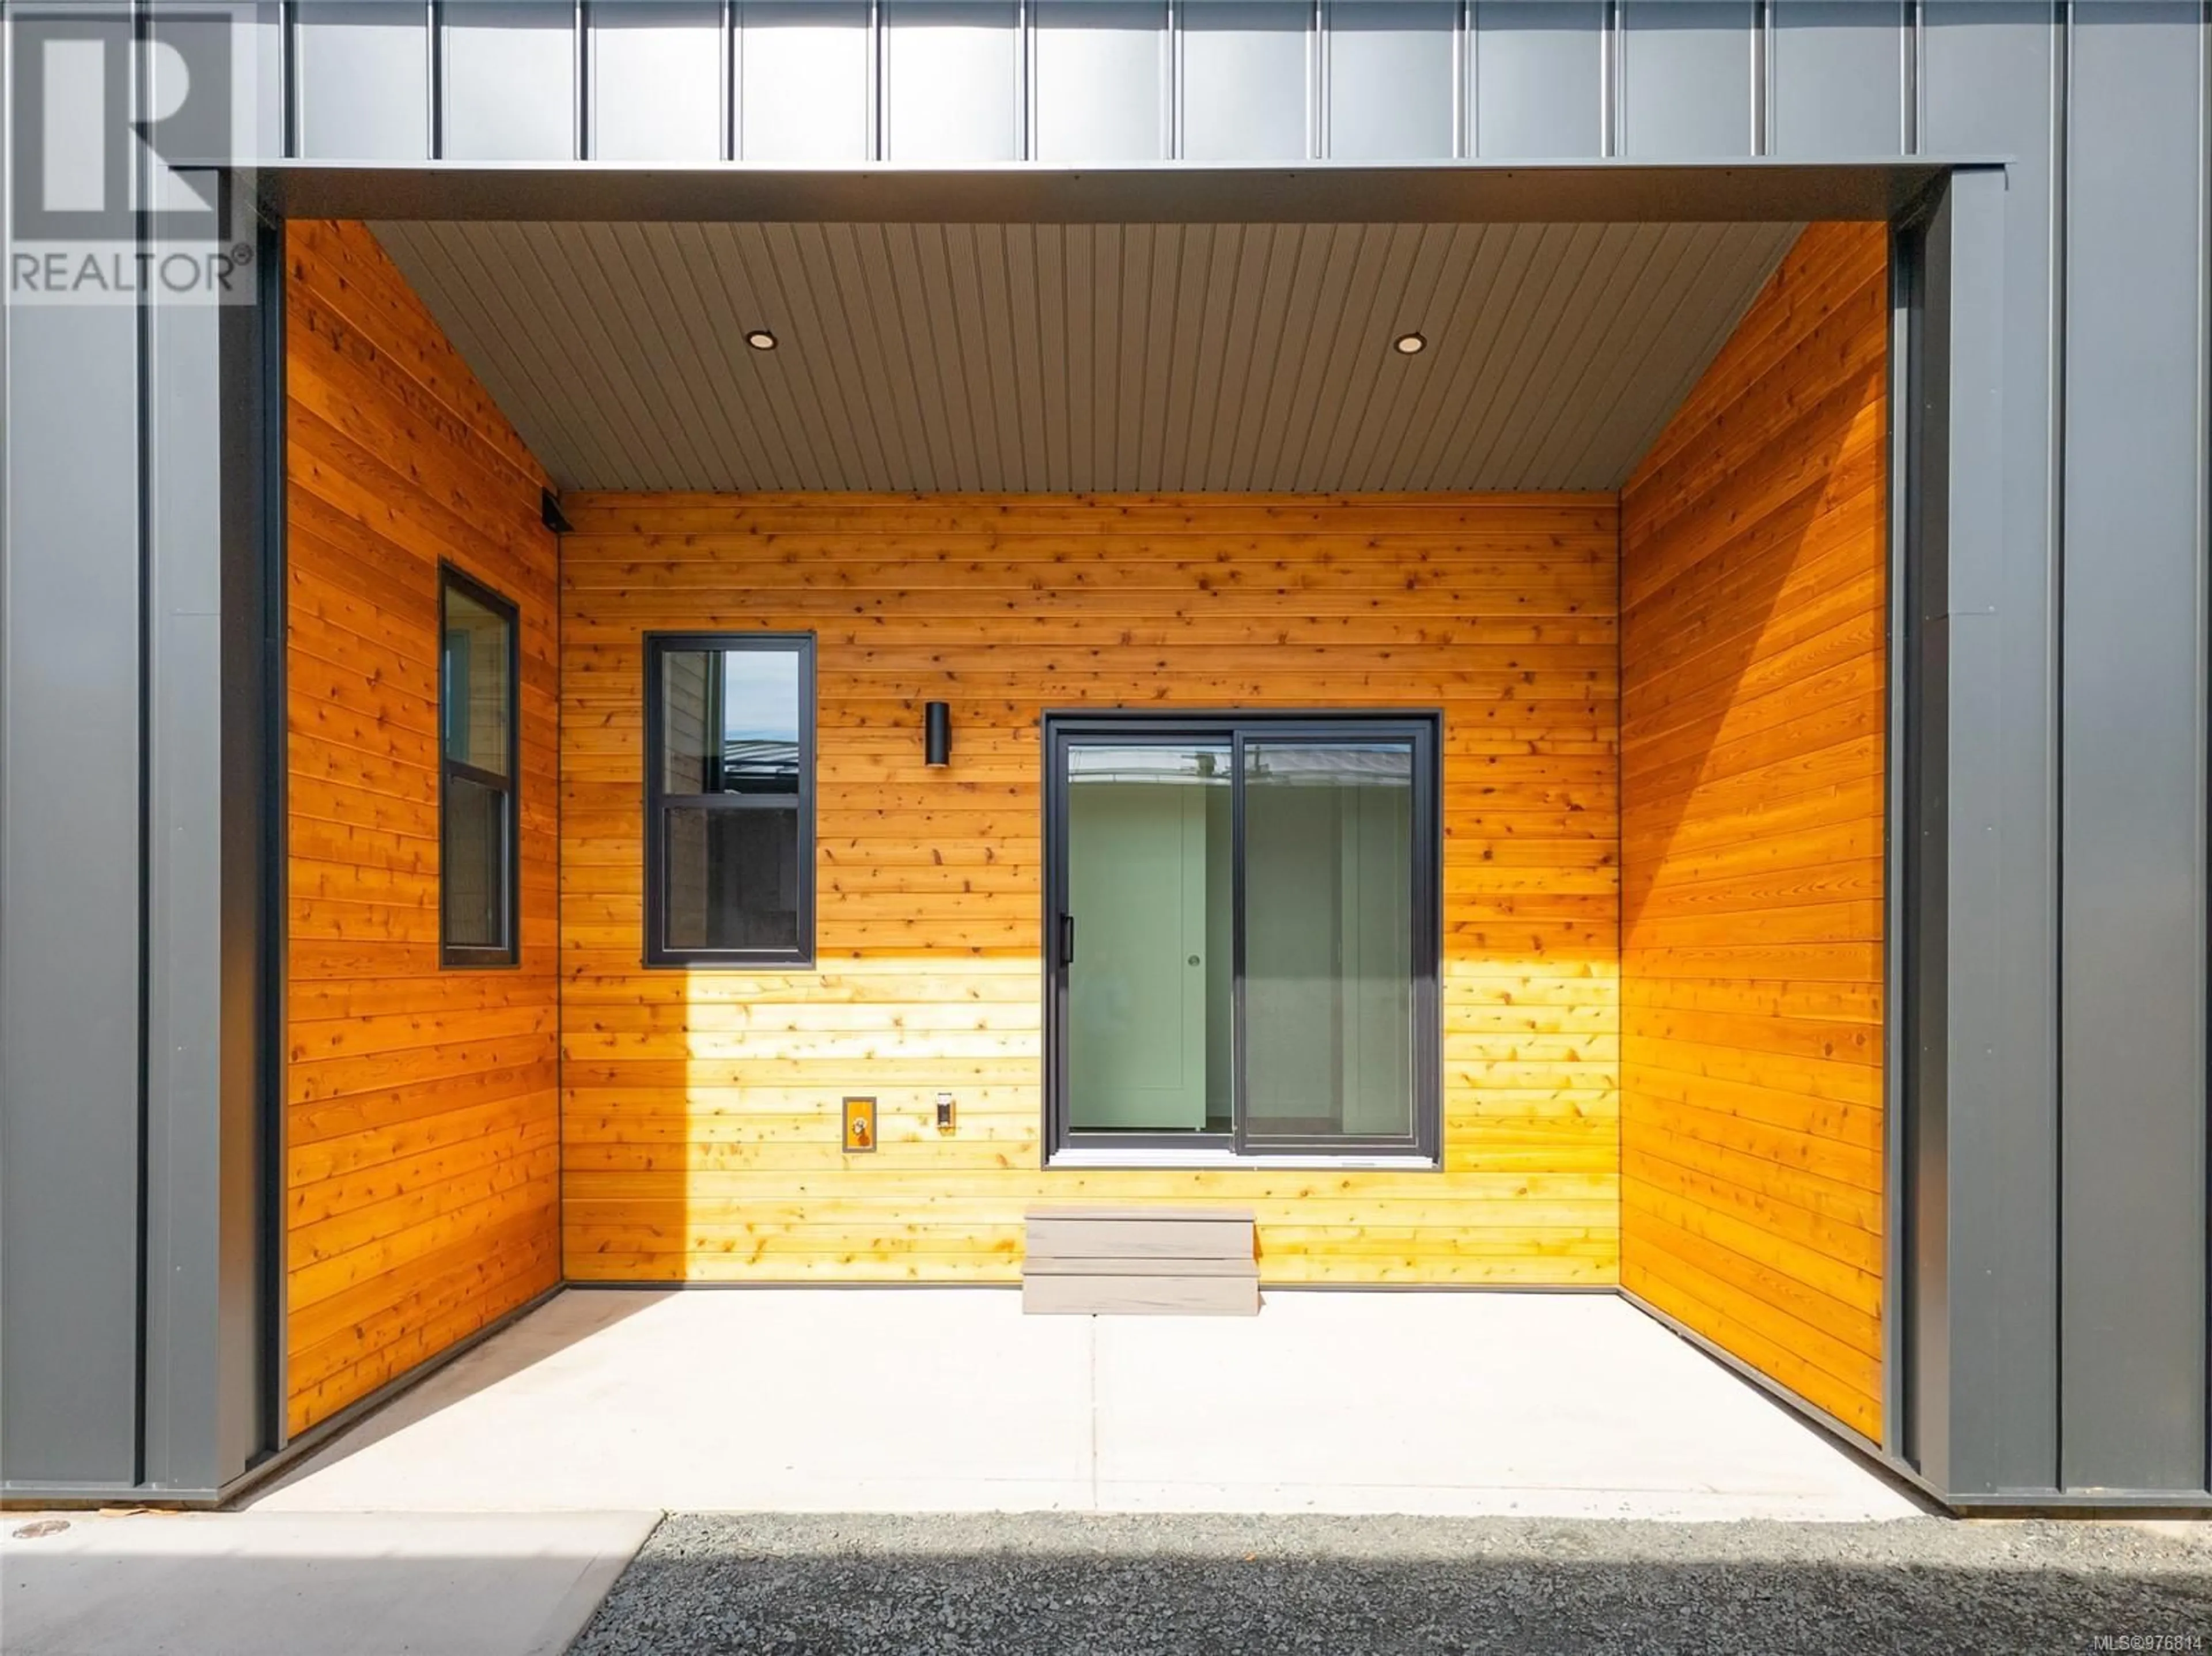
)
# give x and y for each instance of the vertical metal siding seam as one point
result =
(1171, 68)
(141, 178)
(1911, 51)
(2203, 448)
(1025, 50)
(731, 47)
(878, 122)
(1608, 79)
(1317, 84)
(1762, 78)
(435, 76)
(1462, 146)
(2061, 93)
(1470, 69)
(288, 78)
(583, 56)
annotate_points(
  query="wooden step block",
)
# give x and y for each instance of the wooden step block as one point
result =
(1141, 1261)
(1132, 1295)
(1140, 1234)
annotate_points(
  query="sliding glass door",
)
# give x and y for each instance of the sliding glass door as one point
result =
(1242, 934)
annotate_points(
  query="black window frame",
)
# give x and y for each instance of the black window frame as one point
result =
(659, 802)
(1423, 1147)
(508, 953)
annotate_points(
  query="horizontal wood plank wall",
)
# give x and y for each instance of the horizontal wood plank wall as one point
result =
(700, 1108)
(1752, 712)
(422, 1114)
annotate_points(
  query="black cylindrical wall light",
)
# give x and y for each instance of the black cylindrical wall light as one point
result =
(937, 736)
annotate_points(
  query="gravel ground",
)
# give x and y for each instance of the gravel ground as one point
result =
(1083, 1585)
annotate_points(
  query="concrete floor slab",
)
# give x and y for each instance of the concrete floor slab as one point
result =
(1566, 1405)
(300, 1583)
(940, 1400)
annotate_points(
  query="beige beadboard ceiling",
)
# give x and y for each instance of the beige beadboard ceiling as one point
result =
(1095, 357)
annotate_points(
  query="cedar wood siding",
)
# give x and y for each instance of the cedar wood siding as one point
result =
(421, 1152)
(1753, 709)
(700, 1108)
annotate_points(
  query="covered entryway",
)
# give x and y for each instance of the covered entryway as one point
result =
(1527, 581)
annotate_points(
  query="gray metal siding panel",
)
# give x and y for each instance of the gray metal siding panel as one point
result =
(1393, 83)
(953, 80)
(257, 63)
(69, 855)
(1102, 81)
(1539, 79)
(1246, 80)
(1837, 78)
(2132, 1381)
(509, 81)
(657, 74)
(1686, 77)
(184, 943)
(1989, 85)
(805, 87)
(364, 80)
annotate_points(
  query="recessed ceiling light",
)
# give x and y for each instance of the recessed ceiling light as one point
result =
(760, 339)
(1409, 344)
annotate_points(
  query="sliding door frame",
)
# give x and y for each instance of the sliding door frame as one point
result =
(1423, 731)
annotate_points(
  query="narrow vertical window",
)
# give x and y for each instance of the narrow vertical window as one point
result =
(478, 829)
(730, 800)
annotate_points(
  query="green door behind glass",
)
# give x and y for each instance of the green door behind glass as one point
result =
(1137, 874)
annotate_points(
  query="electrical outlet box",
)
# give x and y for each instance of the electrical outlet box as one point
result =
(859, 1126)
(944, 1112)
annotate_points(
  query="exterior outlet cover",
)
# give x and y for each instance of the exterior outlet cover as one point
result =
(859, 1126)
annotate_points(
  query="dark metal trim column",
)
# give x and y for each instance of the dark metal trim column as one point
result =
(1980, 1299)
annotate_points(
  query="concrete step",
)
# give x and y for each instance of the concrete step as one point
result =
(1141, 1261)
